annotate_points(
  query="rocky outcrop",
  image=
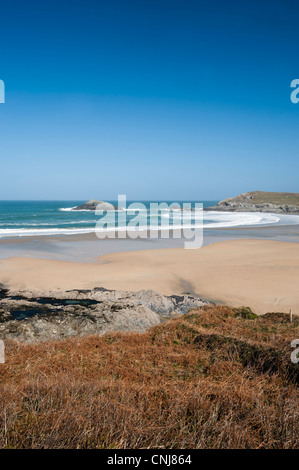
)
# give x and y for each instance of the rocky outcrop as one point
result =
(93, 205)
(258, 201)
(40, 316)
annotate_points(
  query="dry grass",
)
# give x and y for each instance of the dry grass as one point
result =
(209, 379)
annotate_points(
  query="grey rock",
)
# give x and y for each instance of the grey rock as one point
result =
(93, 205)
(33, 316)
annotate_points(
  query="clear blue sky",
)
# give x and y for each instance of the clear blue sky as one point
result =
(155, 99)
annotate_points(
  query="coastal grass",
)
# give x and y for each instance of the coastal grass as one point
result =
(215, 378)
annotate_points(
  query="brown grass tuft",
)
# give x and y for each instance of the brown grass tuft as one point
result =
(209, 379)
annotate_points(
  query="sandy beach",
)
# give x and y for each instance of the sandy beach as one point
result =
(261, 274)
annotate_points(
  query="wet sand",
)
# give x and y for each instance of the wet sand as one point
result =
(86, 248)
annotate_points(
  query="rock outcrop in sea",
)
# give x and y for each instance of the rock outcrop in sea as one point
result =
(32, 316)
(93, 205)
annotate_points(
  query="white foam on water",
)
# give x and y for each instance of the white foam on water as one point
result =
(44, 224)
(68, 209)
(212, 219)
(24, 232)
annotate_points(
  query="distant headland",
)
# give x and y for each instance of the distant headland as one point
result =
(260, 201)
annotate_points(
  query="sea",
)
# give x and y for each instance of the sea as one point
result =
(41, 218)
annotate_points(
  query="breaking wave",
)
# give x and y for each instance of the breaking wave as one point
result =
(168, 221)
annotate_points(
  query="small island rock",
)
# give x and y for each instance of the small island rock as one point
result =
(93, 205)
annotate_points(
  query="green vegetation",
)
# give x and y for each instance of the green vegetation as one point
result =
(244, 312)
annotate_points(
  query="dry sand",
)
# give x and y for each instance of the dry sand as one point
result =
(261, 274)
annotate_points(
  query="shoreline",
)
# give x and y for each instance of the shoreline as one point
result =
(251, 266)
(87, 247)
(261, 274)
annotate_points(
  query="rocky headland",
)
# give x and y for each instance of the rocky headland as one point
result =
(32, 316)
(260, 201)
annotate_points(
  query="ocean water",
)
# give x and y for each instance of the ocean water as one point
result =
(36, 218)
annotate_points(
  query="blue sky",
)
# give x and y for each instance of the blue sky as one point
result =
(183, 100)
